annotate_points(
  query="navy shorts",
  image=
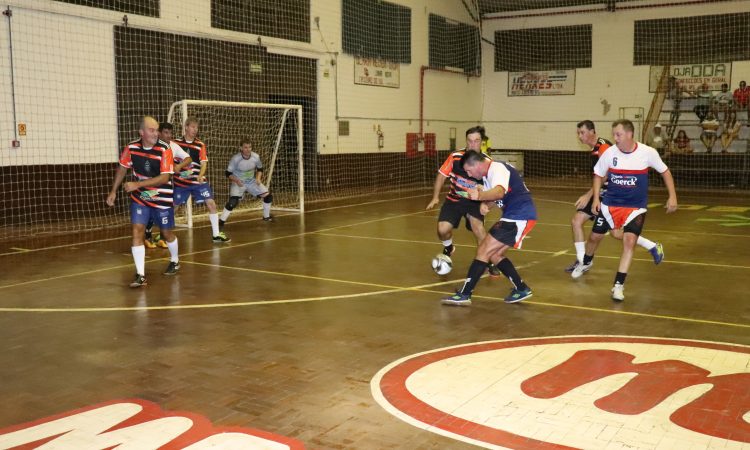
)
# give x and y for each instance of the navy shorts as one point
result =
(163, 218)
(200, 193)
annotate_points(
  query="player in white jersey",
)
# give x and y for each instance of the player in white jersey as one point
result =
(245, 172)
(624, 204)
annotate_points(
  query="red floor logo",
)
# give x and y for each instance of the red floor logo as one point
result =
(576, 392)
(136, 424)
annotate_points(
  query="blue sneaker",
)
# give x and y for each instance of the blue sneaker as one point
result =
(518, 295)
(658, 253)
(457, 299)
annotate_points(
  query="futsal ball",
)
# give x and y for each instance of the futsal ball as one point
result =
(442, 264)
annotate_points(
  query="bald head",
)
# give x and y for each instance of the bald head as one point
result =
(149, 131)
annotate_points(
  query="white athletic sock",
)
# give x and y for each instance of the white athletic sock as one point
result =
(266, 209)
(448, 242)
(214, 218)
(580, 250)
(225, 214)
(645, 243)
(172, 246)
(139, 256)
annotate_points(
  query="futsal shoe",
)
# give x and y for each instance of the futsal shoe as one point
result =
(172, 268)
(494, 271)
(517, 295)
(457, 299)
(221, 237)
(618, 292)
(149, 243)
(159, 241)
(448, 250)
(580, 270)
(138, 281)
(268, 219)
(658, 253)
(572, 267)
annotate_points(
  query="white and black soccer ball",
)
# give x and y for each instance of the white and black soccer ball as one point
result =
(442, 264)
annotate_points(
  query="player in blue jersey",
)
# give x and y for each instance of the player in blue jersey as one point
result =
(503, 187)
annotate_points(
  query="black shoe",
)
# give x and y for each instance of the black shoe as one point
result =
(268, 219)
(494, 271)
(172, 268)
(448, 251)
(138, 281)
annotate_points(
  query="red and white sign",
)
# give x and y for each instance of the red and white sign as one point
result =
(136, 424)
(576, 392)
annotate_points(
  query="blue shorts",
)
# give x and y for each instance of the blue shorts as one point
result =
(162, 218)
(200, 193)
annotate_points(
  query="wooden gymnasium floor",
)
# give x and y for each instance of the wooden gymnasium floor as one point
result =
(283, 329)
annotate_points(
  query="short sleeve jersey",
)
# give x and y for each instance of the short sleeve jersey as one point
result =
(197, 151)
(627, 174)
(245, 168)
(149, 163)
(460, 180)
(516, 203)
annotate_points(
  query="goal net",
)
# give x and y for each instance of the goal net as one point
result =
(275, 131)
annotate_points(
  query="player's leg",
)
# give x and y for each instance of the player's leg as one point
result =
(148, 240)
(656, 249)
(598, 231)
(475, 224)
(448, 219)
(259, 190)
(486, 248)
(235, 195)
(579, 238)
(139, 216)
(632, 230)
(511, 233)
(165, 219)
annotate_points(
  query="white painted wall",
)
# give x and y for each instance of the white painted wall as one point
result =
(65, 85)
(548, 122)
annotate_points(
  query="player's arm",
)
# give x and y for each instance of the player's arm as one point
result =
(259, 175)
(595, 203)
(439, 182)
(119, 176)
(490, 195)
(231, 168)
(582, 200)
(486, 207)
(155, 181)
(204, 164)
(669, 183)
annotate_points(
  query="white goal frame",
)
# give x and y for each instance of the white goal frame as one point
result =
(183, 105)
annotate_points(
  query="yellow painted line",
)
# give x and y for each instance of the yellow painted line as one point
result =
(690, 263)
(211, 250)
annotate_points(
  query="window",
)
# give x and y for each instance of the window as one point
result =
(554, 48)
(454, 44)
(141, 7)
(376, 29)
(285, 19)
(692, 40)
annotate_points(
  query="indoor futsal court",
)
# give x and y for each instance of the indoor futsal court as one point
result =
(219, 227)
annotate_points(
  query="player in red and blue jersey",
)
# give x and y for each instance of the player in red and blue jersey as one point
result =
(150, 194)
(587, 135)
(503, 187)
(623, 206)
(192, 179)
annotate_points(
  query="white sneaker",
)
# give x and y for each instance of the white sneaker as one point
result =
(618, 292)
(580, 269)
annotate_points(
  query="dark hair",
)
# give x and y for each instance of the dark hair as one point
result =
(477, 129)
(471, 157)
(246, 141)
(586, 123)
(165, 126)
(626, 124)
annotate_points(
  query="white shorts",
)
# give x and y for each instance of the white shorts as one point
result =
(251, 187)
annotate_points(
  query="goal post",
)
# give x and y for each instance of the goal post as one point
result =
(276, 133)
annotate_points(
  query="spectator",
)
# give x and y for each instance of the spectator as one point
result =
(675, 92)
(705, 100)
(730, 133)
(681, 144)
(710, 127)
(724, 102)
(742, 96)
(657, 139)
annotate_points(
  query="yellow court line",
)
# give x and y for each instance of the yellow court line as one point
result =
(558, 253)
(233, 246)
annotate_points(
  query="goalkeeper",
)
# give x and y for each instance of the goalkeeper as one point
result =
(245, 173)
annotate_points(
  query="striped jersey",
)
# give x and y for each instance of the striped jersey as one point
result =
(627, 174)
(149, 163)
(516, 203)
(597, 151)
(460, 180)
(197, 151)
